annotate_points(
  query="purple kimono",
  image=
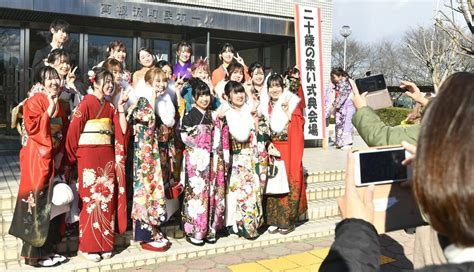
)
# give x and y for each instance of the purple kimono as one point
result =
(328, 100)
(344, 112)
(182, 70)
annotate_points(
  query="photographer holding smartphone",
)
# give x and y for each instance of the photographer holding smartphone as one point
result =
(443, 185)
(372, 130)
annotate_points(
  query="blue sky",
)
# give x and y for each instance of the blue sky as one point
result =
(375, 20)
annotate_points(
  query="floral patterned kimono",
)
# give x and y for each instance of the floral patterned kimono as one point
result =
(204, 199)
(101, 172)
(248, 162)
(31, 218)
(344, 112)
(152, 132)
(287, 136)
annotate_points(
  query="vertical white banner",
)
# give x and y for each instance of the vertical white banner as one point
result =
(310, 63)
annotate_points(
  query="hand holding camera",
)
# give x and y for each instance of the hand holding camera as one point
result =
(351, 205)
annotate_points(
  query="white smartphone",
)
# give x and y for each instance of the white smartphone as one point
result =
(380, 165)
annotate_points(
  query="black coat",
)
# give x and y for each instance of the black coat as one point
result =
(38, 60)
(356, 248)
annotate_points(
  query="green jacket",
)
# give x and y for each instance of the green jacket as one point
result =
(375, 133)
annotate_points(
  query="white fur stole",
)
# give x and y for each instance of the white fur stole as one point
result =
(278, 118)
(164, 106)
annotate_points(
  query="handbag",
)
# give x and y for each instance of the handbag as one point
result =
(277, 182)
(172, 201)
(174, 191)
(62, 197)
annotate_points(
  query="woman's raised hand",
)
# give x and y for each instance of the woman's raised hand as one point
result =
(358, 100)
(413, 92)
(351, 205)
(122, 101)
(71, 77)
(239, 59)
(53, 102)
(179, 83)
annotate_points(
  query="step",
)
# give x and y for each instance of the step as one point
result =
(134, 256)
(317, 209)
(321, 209)
(325, 176)
(5, 222)
(11, 245)
(7, 202)
(326, 181)
(325, 190)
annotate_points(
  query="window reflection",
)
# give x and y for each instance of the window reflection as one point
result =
(9, 67)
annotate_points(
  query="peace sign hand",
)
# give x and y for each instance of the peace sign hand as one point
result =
(179, 82)
(71, 77)
(239, 59)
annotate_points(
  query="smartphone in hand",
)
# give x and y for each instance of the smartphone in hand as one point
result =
(380, 165)
(371, 83)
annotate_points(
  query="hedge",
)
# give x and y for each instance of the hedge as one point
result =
(393, 116)
(390, 116)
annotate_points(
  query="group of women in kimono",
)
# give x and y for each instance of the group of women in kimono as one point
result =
(214, 138)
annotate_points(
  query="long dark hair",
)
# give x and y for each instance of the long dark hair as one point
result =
(100, 73)
(233, 86)
(254, 66)
(47, 72)
(110, 63)
(148, 50)
(338, 71)
(275, 78)
(227, 46)
(199, 87)
(57, 54)
(232, 68)
(444, 176)
(115, 44)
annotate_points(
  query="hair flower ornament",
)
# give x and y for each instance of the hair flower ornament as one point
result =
(91, 75)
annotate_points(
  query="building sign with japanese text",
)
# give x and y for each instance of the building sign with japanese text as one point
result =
(310, 63)
(153, 13)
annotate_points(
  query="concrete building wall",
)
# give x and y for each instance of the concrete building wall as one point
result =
(279, 8)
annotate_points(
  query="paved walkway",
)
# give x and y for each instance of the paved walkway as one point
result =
(319, 159)
(397, 255)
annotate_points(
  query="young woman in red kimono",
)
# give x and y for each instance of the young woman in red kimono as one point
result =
(46, 124)
(281, 108)
(100, 162)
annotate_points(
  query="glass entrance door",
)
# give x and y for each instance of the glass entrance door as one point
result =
(9, 85)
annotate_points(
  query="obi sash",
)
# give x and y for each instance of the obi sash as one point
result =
(97, 132)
